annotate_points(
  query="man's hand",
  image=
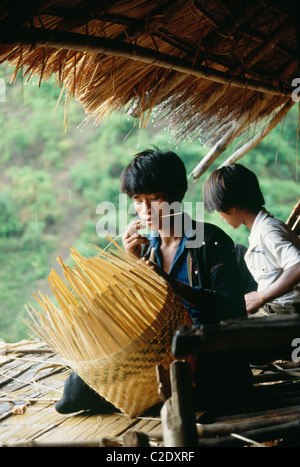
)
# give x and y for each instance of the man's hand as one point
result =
(284, 284)
(132, 240)
(253, 302)
(158, 270)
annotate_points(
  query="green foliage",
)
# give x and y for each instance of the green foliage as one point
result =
(33, 196)
(9, 221)
(22, 270)
(51, 182)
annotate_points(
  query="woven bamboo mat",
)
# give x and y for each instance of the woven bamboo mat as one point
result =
(31, 381)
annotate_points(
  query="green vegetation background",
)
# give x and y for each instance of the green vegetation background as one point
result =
(52, 180)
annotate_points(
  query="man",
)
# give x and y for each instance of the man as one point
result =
(273, 256)
(199, 262)
(202, 271)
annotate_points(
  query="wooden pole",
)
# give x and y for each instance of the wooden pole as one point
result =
(294, 214)
(177, 413)
(217, 149)
(264, 434)
(253, 142)
(78, 42)
(234, 131)
(283, 411)
(227, 139)
(226, 428)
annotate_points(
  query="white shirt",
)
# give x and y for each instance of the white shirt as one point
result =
(273, 248)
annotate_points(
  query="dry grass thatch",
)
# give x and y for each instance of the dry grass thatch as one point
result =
(113, 324)
(209, 69)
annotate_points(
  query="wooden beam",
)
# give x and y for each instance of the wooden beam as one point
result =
(248, 33)
(72, 18)
(152, 23)
(158, 17)
(78, 42)
(261, 333)
(227, 138)
(237, 16)
(226, 428)
(261, 50)
(20, 12)
(255, 436)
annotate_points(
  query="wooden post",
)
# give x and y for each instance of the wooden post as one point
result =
(135, 439)
(164, 383)
(177, 413)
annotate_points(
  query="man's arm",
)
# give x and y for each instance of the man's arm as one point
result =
(284, 284)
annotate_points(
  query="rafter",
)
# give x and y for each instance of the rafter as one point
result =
(79, 42)
(236, 128)
(253, 142)
(229, 25)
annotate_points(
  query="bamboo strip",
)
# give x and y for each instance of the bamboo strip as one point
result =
(31, 383)
(18, 398)
(127, 314)
(101, 330)
(140, 320)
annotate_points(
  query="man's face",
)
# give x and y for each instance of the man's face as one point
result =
(151, 208)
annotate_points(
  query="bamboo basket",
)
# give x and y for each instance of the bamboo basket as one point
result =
(113, 326)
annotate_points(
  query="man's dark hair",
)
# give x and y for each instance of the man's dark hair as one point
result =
(232, 186)
(154, 171)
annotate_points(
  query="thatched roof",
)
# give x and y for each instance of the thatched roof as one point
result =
(213, 70)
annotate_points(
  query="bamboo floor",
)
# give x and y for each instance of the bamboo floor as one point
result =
(32, 378)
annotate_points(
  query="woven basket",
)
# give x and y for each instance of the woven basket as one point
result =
(126, 376)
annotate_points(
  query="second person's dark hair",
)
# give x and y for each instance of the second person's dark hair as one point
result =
(232, 186)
